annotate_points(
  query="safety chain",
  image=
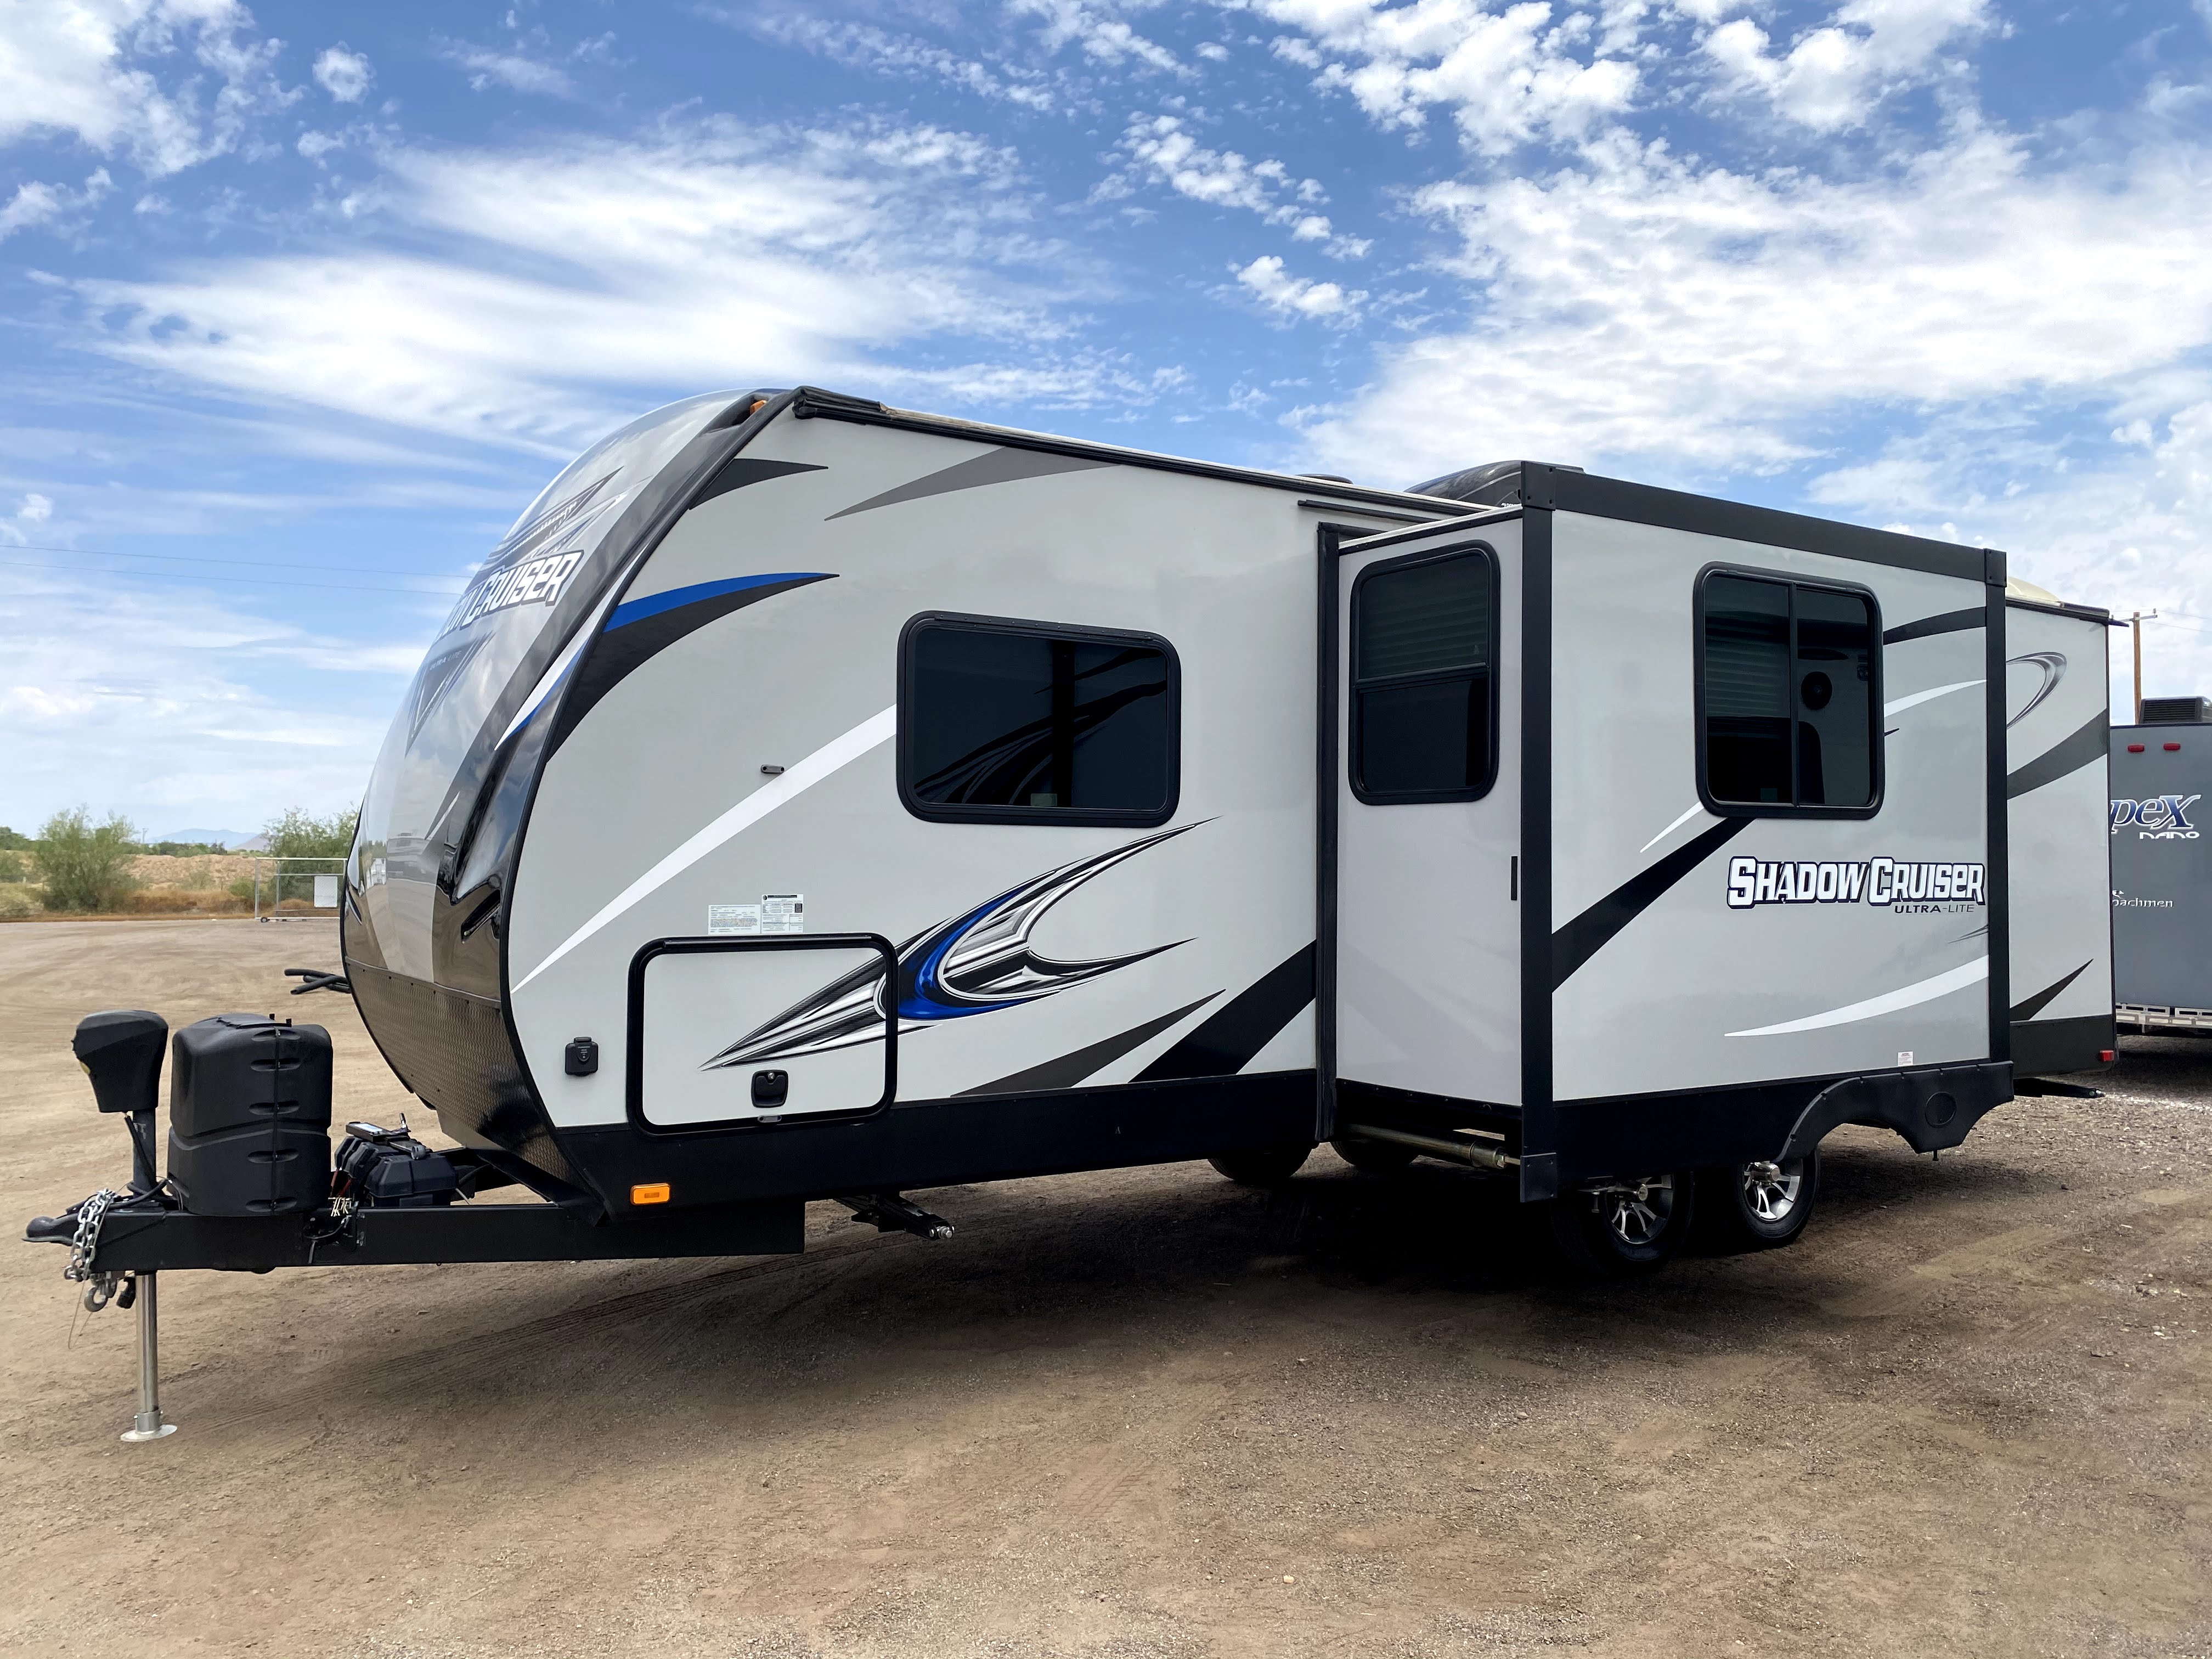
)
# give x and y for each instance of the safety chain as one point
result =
(99, 1288)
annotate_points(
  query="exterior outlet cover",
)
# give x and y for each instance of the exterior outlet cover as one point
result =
(581, 1057)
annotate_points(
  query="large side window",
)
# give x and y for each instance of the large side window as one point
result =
(1791, 696)
(1423, 657)
(1021, 722)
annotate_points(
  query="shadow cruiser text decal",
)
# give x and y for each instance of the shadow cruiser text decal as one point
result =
(1752, 882)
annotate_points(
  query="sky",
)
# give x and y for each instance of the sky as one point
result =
(299, 305)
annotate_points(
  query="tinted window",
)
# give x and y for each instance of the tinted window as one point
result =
(1789, 686)
(1018, 720)
(1423, 641)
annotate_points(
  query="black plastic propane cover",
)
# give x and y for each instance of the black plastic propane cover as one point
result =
(250, 1115)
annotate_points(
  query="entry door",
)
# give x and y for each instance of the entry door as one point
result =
(1428, 813)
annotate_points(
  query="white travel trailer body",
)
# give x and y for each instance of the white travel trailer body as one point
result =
(737, 797)
(812, 800)
(2057, 745)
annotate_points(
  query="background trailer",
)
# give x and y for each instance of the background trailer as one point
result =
(811, 800)
(2162, 876)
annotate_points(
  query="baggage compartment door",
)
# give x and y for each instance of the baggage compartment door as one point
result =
(735, 1032)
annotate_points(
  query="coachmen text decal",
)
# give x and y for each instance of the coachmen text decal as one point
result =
(1897, 884)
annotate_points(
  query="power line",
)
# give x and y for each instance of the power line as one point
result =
(209, 558)
(241, 581)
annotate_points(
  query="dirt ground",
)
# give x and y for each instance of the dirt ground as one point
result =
(1143, 1413)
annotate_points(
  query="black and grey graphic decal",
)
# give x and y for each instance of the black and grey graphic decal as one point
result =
(1590, 932)
(1224, 1044)
(978, 963)
(2043, 998)
(434, 678)
(999, 466)
(638, 630)
(2052, 666)
(742, 469)
(2085, 746)
(1067, 1071)
(1949, 622)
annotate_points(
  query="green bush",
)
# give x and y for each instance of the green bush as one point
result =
(15, 841)
(12, 867)
(87, 864)
(17, 903)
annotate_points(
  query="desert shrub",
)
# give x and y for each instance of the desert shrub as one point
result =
(12, 867)
(18, 902)
(15, 841)
(87, 864)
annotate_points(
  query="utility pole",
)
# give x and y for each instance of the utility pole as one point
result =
(2134, 632)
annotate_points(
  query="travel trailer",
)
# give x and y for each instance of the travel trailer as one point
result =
(2161, 880)
(812, 800)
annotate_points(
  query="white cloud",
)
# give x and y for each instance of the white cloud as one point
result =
(1833, 76)
(343, 73)
(36, 203)
(93, 69)
(1296, 296)
(863, 45)
(511, 69)
(565, 284)
(1104, 38)
(1644, 311)
(1164, 148)
(1507, 77)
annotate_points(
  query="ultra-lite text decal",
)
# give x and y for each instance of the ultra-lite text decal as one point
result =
(1752, 882)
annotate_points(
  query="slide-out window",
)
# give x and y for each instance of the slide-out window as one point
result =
(1791, 696)
(1023, 722)
(1424, 659)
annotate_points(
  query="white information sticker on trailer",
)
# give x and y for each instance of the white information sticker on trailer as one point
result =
(727, 919)
(783, 912)
(327, 892)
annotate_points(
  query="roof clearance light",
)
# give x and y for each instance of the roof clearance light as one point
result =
(2173, 749)
(649, 1192)
(2134, 748)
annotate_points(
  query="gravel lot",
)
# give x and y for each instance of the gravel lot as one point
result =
(1142, 1412)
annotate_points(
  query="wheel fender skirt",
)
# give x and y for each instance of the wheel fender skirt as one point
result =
(1932, 1106)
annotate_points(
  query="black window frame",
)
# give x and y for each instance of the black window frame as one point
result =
(1354, 750)
(1114, 818)
(1878, 775)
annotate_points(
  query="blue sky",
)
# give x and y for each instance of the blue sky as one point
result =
(299, 305)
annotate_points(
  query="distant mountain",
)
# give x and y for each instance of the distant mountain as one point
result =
(233, 839)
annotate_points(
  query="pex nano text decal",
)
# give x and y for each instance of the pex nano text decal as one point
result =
(2162, 818)
(1900, 885)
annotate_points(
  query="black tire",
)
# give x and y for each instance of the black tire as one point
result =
(1270, 1167)
(1374, 1158)
(1758, 1206)
(1620, 1228)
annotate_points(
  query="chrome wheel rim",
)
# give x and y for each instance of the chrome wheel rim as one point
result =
(1771, 1190)
(1637, 1212)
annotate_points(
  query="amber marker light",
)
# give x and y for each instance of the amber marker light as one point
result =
(649, 1192)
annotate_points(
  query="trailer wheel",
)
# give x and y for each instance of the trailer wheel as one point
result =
(1760, 1205)
(1374, 1158)
(1268, 1167)
(1615, 1227)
